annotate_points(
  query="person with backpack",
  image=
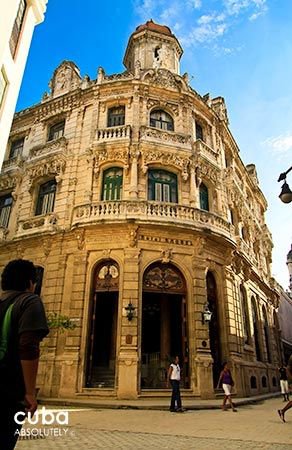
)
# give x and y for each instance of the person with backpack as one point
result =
(23, 325)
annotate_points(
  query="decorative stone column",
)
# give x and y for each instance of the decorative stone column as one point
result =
(193, 187)
(134, 155)
(128, 370)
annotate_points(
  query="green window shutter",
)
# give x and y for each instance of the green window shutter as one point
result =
(112, 184)
(204, 197)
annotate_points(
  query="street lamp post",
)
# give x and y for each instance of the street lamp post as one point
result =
(286, 193)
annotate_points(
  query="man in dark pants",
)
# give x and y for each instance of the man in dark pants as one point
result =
(173, 376)
(18, 369)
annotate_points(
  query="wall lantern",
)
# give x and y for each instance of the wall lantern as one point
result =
(130, 311)
(206, 314)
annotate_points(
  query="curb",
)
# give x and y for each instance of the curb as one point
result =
(97, 404)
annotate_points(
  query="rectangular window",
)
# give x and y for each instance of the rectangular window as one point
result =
(158, 192)
(46, 198)
(3, 85)
(56, 131)
(5, 208)
(16, 148)
(17, 26)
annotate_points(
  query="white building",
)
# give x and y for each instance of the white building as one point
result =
(17, 21)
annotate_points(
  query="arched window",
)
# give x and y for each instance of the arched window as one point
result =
(161, 119)
(116, 116)
(204, 197)
(266, 333)
(162, 186)
(245, 315)
(112, 184)
(46, 198)
(199, 132)
(255, 329)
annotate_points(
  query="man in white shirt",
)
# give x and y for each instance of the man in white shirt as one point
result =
(173, 377)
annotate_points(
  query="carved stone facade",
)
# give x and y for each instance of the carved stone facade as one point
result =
(149, 215)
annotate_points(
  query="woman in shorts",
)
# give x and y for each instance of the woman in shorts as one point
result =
(227, 383)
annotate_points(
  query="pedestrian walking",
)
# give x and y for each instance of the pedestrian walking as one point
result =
(227, 383)
(284, 382)
(173, 377)
(282, 411)
(20, 337)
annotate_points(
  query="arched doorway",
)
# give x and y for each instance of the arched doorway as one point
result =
(164, 324)
(101, 359)
(214, 327)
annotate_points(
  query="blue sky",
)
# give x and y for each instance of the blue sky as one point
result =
(238, 49)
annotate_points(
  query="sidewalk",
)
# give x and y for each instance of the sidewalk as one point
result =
(150, 403)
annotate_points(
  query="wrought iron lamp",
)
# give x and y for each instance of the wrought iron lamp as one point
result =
(286, 193)
(206, 314)
(130, 311)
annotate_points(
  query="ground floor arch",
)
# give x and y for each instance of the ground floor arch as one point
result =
(101, 347)
(164, 325)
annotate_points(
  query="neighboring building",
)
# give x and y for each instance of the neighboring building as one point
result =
(130, 194)
(285, 313)
(17, 21)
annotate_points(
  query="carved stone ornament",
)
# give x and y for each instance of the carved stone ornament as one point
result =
(165, 78)
(47, 244)
(199, 245)
(166, 256)
(8, 182)
(133, 237)
(163, 278)
(207, 171)
(162, 104)
(80, 237)
(55, 166)
(167, 159)
(107, 277)
(107, 155)
(66, 77)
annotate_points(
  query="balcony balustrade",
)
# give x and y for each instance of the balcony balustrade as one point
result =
(114, 133)
(204, 150)
(37, 224)
(148, 211)
(49, 148)
(12, 164)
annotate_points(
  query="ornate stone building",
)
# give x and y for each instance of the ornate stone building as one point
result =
(129, 193)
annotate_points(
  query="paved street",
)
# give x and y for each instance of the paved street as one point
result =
(252, 427)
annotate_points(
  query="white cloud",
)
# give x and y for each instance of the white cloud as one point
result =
(280, 145)
(236, 7)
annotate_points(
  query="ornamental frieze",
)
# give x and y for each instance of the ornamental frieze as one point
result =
(106, 155)
(9, 182)
(166, 158)
(165, 78)
(55, 167)
(208, 172)
(57, 145)
(162, 104)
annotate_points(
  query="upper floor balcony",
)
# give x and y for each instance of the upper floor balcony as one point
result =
(202, 149)
(48, 149)
(170, 138)
(12, 164)
(113, 133)
(37, 225)
(151, 212)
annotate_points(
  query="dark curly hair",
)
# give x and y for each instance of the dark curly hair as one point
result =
(17, 275)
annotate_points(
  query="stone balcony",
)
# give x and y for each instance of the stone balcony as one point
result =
(151, 212)
(113, 133)
(37, 225)
(202, 149)
(170, 138)
(12, 164)
(48, 149)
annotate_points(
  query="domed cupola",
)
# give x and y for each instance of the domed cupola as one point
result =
(153, 46)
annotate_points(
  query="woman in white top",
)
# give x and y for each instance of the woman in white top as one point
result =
(173, 376)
